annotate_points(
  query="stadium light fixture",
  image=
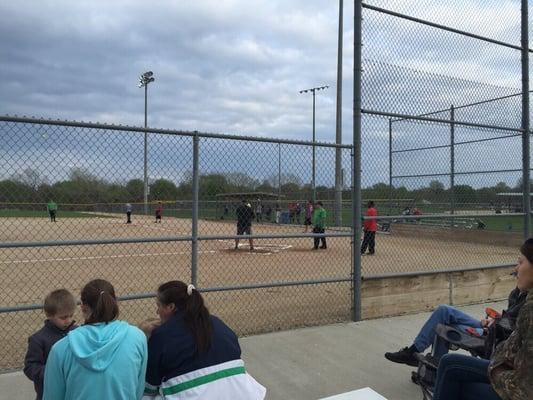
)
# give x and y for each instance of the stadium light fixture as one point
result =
(313, 91)
(145, 79)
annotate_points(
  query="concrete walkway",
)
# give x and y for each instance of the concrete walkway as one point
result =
(311, 363)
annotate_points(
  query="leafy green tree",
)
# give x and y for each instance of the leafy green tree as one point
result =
(163, 189)
(135, 189)
(213, 184)
(12, 191)
(464, 194)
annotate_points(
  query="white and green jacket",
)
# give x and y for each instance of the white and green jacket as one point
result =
(177, 371)
(226, 381)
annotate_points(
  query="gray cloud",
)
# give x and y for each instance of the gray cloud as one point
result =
(236, 66)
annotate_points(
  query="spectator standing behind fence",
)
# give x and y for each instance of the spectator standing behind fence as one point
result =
(158, 212)
(59, 307)
(268, 212)
(508, 375)
(259, 211)
(103, 359)
(51, 206)
(128, 213)
(194, 355)
(417, 211)
(278, 213)
(370, 226)
(245, 216)
(308, 215)
(319, 223)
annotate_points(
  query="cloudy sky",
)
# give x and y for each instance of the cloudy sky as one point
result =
(236, 66)
(232, 66)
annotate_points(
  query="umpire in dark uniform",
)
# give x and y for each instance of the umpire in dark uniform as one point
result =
(245, 216)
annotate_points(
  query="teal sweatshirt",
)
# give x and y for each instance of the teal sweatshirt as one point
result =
(97, 361)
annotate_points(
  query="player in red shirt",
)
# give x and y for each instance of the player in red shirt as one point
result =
(158, 212)
(370, 226)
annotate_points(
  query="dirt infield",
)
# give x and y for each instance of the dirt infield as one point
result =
(28, 274)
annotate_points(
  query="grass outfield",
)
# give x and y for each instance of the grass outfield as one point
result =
(43, 214)
(499, 222)
(504, 223)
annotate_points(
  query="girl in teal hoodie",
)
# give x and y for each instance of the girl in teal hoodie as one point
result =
(103, 359)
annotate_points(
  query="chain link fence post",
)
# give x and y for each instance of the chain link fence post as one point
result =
(525, 120)
(390, 166)
(195, 192)
(452, 164)
(356, 152)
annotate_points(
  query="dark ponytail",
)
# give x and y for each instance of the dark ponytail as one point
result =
(99, 296)
(527, 250)
(195, 314)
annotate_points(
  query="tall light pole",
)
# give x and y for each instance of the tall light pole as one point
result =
(338, 130)
(144, 80)
(313, 91)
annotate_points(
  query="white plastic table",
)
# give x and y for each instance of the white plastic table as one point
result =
(361, 394)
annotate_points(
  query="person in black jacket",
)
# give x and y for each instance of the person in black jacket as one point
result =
(193, 354)
(59, 307)
(245, 216)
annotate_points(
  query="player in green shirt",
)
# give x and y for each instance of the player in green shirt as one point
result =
(52, 210)
(319, 223)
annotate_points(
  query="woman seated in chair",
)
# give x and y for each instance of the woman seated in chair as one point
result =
(509, 373)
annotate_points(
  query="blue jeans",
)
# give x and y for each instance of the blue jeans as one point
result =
(461, 377)
(446, 315)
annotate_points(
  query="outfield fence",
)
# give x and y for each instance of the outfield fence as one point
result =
(446, 123)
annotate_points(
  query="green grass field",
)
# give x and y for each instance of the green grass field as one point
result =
(499, 222)
(8, 213)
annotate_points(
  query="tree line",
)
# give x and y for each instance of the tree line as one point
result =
(82, 187)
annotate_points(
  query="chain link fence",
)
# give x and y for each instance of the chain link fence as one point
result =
(442, 133)
(89, 176)
(439, 146)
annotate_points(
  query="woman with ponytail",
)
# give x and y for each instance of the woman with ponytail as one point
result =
(192, 354)
(103, 359)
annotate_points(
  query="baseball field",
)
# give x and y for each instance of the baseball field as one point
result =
(29, 273)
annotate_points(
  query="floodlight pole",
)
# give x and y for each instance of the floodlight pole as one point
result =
(313, 183)
(338, 124)
(313, 91)
(145, 150)
(144, 80)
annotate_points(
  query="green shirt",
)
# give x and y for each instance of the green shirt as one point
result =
(51, 206)
(319, 218)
